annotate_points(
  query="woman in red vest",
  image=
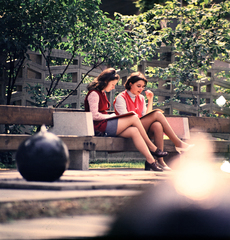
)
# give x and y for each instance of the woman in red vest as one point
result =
(127, 127)
(155, 123)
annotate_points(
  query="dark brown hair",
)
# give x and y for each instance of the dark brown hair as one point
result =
(100, 82)
(134, 77)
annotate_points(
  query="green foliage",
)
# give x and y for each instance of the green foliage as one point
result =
(37, 94)
(200, 36)
(76, 26)
(6, 160)
(105, 41)
(81, 28)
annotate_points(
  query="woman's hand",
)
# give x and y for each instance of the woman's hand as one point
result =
(149, 94)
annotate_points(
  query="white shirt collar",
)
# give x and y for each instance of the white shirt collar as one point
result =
(133, 96)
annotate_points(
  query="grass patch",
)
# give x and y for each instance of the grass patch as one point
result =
(105, 165)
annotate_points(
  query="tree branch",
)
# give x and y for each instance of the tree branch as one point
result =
(72, 91)
(67, 66)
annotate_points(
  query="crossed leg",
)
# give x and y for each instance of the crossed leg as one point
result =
(156, 125)
(131, 127)
(157, 116)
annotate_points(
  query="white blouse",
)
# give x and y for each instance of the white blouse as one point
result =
(93, 100)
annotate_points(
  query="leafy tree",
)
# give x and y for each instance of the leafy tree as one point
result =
(145, 5)
(202, 35)
(106, 42)
(14, 39)
(76, 26)
(31, 24)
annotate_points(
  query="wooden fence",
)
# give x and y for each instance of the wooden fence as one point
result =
(35, 72)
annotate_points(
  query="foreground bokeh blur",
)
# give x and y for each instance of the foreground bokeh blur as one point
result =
(193, 203)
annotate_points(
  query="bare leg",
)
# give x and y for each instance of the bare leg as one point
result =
(158, 116)
(156, 132)
(131, 127)
(126, 122)
(133, 132)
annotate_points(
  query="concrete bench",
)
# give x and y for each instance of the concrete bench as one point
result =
(75, 128)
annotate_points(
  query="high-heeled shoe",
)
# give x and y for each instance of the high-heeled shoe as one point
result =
(159, 153)
(153, 166)
(179, 150)
(165, 168)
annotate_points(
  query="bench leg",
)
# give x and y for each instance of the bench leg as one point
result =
(79, 160)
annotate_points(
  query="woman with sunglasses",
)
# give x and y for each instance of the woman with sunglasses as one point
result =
(154, 123)
(127, 127)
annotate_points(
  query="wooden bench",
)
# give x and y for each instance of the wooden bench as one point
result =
(80, 146)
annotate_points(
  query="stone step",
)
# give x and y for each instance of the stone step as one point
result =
(81, 204)
(86, 180)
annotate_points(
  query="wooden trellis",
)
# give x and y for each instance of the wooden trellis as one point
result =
(35, 72)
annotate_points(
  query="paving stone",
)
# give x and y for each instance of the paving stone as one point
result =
(57, 228)
(86, 180)
(73, 185)
(9, 195)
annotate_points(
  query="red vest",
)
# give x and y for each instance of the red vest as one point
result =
(136, 106)
(104, 105)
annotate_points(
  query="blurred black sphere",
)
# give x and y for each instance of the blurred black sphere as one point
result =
(42, 157)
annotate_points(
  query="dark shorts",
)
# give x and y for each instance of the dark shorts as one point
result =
(111, 128)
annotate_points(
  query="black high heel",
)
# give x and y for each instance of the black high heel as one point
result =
(153, 166)
(159, 153)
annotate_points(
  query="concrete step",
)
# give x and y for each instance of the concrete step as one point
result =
(57, 228)
(81, 204)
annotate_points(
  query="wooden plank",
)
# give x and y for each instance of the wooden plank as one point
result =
(26, 115)
(91, 143)
(12, 141)
(118, 144)
(206, 124)
(29, 115)
(113, 144)
(209, 125)
(9, 142)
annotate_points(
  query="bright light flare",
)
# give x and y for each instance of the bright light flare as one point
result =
(225, 167)
(220, 101)
(196, 181)
(197, 178)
